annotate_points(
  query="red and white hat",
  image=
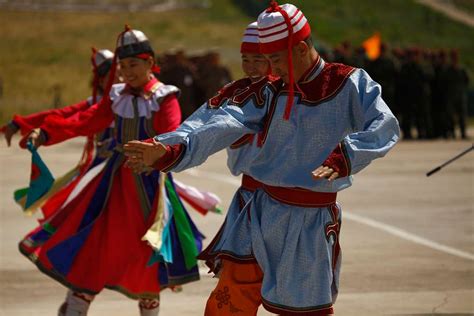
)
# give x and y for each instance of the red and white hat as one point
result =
(250, 43)
(281, 27)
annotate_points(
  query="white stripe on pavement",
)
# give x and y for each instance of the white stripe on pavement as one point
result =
(406, 235)
(235, 181)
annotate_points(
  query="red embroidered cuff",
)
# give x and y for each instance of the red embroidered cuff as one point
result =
(149, 140)
(12, 125)
(173, 156)
(338, 161)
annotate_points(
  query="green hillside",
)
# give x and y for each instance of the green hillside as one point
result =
(39, 50)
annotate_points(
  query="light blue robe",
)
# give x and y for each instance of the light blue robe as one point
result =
(290, 243)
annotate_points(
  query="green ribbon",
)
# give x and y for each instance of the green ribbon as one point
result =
(185, 233)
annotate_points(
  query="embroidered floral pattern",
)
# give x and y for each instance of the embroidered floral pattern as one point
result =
(223, 297)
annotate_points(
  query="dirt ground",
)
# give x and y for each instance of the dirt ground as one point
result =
(407, 240)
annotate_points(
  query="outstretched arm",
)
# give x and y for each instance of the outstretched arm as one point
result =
(56, 129)
(218, 133)
(215, 126)
(26, 123)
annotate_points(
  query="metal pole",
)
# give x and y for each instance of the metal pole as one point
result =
(450, 161)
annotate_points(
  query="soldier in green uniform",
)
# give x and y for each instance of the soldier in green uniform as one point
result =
(456, 90)
(384, 71)
(415, 90)
(440, 115)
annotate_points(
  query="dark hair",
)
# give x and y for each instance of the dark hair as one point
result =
(104, 68)
(309, 41)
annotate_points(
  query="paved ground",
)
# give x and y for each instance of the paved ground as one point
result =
(407, 240)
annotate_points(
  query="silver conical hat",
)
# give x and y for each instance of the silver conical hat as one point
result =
(103, 60)
(133, 42)
(103, 55)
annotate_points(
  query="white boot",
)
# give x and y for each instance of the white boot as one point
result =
(76, 304)
(149, 307)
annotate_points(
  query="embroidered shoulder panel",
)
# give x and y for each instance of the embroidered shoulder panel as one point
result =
(228, 92)
(326, 85)
(161, 91)
(241, 91)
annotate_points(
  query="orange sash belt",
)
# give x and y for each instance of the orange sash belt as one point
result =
(292, 196)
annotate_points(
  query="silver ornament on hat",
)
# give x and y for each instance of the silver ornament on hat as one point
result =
(103, 60)
(131, 37)
(133, 42)
(103, 55)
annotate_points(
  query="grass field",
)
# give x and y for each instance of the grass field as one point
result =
(39, 50)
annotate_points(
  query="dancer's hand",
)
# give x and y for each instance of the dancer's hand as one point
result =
(34, 137)
(325, 172)
(143, 153)
(8, 132)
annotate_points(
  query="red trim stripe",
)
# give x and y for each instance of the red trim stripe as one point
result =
(279, 24)
(282, 44)
(291, 196)
(284, 30)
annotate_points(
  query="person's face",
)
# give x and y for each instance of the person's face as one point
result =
(279, 64)
(135, 72)
(255, 66)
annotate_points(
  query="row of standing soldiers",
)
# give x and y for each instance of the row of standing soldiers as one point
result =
(427, 90)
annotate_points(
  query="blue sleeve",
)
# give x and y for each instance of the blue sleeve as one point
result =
(210, 130)
(377, 128)
(193, 122)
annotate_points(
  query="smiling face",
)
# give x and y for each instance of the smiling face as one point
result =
(255, 66)
(136, 72)
(279, 63)
(303, 56)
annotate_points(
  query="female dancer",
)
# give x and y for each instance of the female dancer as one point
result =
(111, 223)
(97, 148)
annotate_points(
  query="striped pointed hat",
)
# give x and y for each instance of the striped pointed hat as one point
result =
(250, 43)
(280, 28)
